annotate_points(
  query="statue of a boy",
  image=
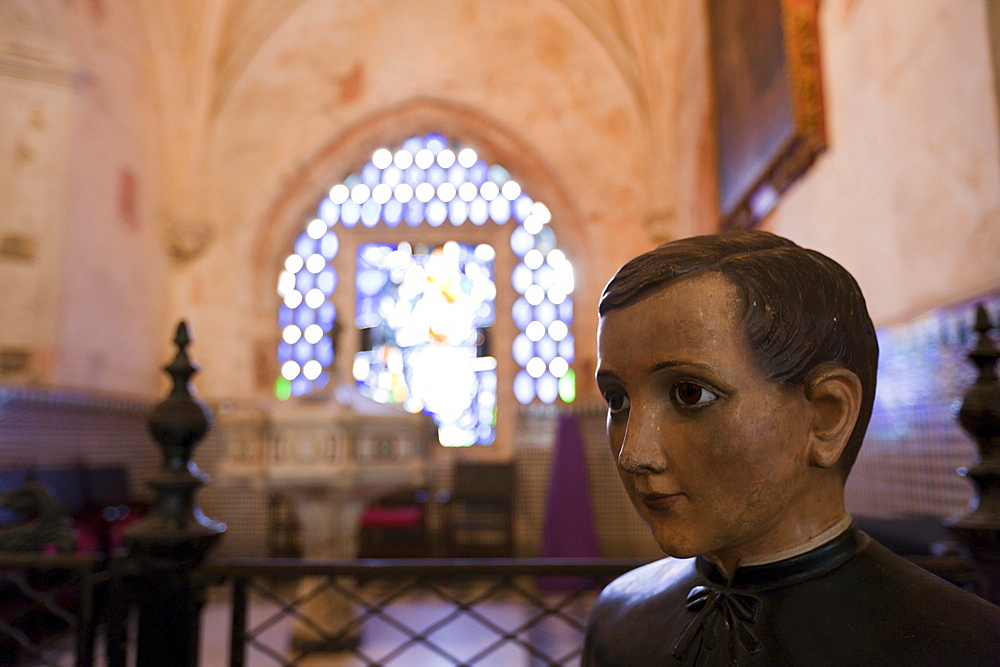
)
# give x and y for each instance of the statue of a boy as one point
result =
(739, 371)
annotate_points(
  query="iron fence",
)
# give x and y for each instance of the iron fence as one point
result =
(60, 610)
(424, 613)
(51, 607)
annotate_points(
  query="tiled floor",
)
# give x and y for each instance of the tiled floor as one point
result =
(463, 637)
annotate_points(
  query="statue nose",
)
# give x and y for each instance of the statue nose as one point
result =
(642, 445)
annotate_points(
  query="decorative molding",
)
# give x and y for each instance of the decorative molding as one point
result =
(661, 226)
(16, 247)
(44, 397)
(33, 71)
(186, 241)
(15, 361)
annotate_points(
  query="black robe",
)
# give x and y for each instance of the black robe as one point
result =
(848, 602)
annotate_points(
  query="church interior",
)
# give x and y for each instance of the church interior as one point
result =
(273, 174)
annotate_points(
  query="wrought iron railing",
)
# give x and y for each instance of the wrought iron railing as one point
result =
(285, 611)
(50, 607)
(412, 612)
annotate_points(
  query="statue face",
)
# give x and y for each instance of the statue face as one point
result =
(712, 454)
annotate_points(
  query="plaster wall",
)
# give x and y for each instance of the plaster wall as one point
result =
(36, 122)
(907, 196)
(112, 331)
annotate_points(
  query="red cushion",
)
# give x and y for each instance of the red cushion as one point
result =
(392, 517)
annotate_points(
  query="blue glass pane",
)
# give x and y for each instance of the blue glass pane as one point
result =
(436, 212)
(300, 385)
(350, 213)
(545, 276)
(566, 311)
(457, 174)
(371, 211)
(546, 349)
(522, 207)
(488, 382)
(436, 175)
(305, 245)
(392, 212)
(524, 388)
(479, 210)
(324, 351)
(304, 281)
(479, 172)
(436, 142)
(522, 350)
(284, 352)
(548, 388)
(566, 348)
(414, 144)
(327, 280)
(370, 281)
(458, 211)
(329, 212)
(329, 245)
(522, 313)
(545, 240)
(325, 315)
(414, 175)
(414, 212)
(521, 278)
(521, 241)
(500, 210)
(486, 314)
(302, 351)
(371, 175)
(545, 312)
(392, 175)
(304, 316)
(498, 174)
(284, 316)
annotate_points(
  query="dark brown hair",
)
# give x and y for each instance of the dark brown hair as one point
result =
(800, 308)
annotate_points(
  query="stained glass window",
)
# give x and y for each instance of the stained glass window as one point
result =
(410, 334)
(425, 317)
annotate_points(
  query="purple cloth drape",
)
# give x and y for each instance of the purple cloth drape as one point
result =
(570, 531)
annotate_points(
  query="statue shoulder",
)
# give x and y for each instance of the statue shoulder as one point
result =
(652, 581)
(642, 603)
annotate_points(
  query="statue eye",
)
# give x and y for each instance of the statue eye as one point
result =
(617, 400)
(689, 393)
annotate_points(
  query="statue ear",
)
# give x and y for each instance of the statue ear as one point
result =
(834, 395)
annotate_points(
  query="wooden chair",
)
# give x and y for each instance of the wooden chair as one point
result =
(395, 526)
(479, 515)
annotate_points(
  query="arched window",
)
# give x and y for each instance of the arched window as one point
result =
(426, 223)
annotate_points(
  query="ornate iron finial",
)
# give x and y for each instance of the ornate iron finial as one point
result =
(979, 415)
(175, 536)
(178, 423)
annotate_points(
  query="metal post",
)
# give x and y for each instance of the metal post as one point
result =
(175, 536)
(238, 629)
(979, 528)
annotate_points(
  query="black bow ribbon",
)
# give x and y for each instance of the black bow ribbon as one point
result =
(721, 615)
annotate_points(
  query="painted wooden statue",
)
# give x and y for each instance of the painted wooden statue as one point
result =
(739, 371)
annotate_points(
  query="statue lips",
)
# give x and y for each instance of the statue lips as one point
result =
(660, 501)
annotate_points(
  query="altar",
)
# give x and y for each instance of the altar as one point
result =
(330, 454)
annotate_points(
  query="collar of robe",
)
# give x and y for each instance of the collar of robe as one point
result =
(725, 611)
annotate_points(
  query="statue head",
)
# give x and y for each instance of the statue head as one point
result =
(746, 357)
